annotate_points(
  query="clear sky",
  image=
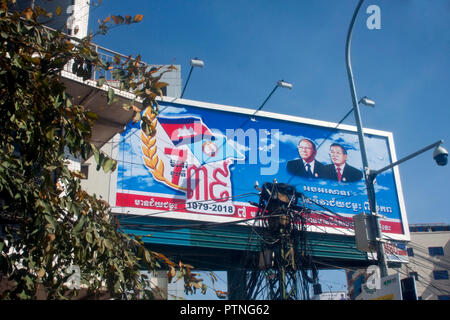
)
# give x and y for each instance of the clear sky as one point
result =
(249, 45)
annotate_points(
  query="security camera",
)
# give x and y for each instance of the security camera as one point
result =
(440, 155)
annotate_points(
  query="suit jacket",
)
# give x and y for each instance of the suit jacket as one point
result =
(350, 174)
(297, 168)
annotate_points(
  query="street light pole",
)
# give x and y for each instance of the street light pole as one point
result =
(369, 181)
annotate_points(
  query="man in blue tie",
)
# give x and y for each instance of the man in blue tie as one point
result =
(306, 166)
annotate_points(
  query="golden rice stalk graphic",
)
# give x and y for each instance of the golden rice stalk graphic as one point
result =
(151, 159)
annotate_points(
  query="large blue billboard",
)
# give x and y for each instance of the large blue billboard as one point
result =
(204, 159)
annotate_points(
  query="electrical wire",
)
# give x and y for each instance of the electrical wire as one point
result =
(436, 263)
(430, 284)
(424, 250)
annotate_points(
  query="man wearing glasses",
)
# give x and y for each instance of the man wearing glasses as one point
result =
(306, 166)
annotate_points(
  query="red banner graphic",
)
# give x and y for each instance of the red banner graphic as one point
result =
(165, 204)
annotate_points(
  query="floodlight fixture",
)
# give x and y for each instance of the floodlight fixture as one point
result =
(368, 102)
(284, 84)
(196, 62)
(280, 83)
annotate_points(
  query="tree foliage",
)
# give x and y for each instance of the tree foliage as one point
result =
(48, 222)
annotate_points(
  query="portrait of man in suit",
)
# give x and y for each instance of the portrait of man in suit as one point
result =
(306, 166)
(340, 170)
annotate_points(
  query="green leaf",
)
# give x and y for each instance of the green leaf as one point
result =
(101, 81)
(86, 150)
(68, 103)
(96, 154)
(29, 282)
(109, 164)
(110, 95)
(79, 224)
(108, 244)
(23, 295)
(51, 220)
(50, 134)
(91, 115)
(117, 286)
(89, 237)
(121, 277)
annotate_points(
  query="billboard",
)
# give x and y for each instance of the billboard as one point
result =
(204, 159)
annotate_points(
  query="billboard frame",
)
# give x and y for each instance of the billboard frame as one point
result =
(283, 117)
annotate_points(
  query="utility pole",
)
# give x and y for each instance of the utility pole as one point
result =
(440, 155)
(280, 263)
(369, 181)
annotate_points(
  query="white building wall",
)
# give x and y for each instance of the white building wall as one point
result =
(79, 18)
(99, 182)
(428, 288)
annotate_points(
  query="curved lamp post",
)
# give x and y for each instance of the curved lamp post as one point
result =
(369, 181)
(440, 154)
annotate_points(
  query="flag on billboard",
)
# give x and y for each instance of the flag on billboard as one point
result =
(182, 130)
(214, 148)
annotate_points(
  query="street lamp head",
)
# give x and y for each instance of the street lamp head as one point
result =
(440, 155)
(284, 84)
(368, 102)
(197, 63)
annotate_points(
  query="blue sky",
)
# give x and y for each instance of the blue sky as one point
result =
(248, 46)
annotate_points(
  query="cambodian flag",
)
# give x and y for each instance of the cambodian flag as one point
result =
(184, 130)
(192, 133)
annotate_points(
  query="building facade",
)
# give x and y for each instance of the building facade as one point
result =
(426, 275)
(429, 261)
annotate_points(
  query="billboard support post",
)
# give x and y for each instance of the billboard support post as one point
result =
(369, 182)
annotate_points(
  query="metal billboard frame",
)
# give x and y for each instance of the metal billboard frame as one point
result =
(264, 114)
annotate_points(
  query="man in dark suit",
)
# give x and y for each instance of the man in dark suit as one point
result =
(339, 170)
(306, 166)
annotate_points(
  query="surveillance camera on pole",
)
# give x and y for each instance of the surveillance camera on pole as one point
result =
(440, 155)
